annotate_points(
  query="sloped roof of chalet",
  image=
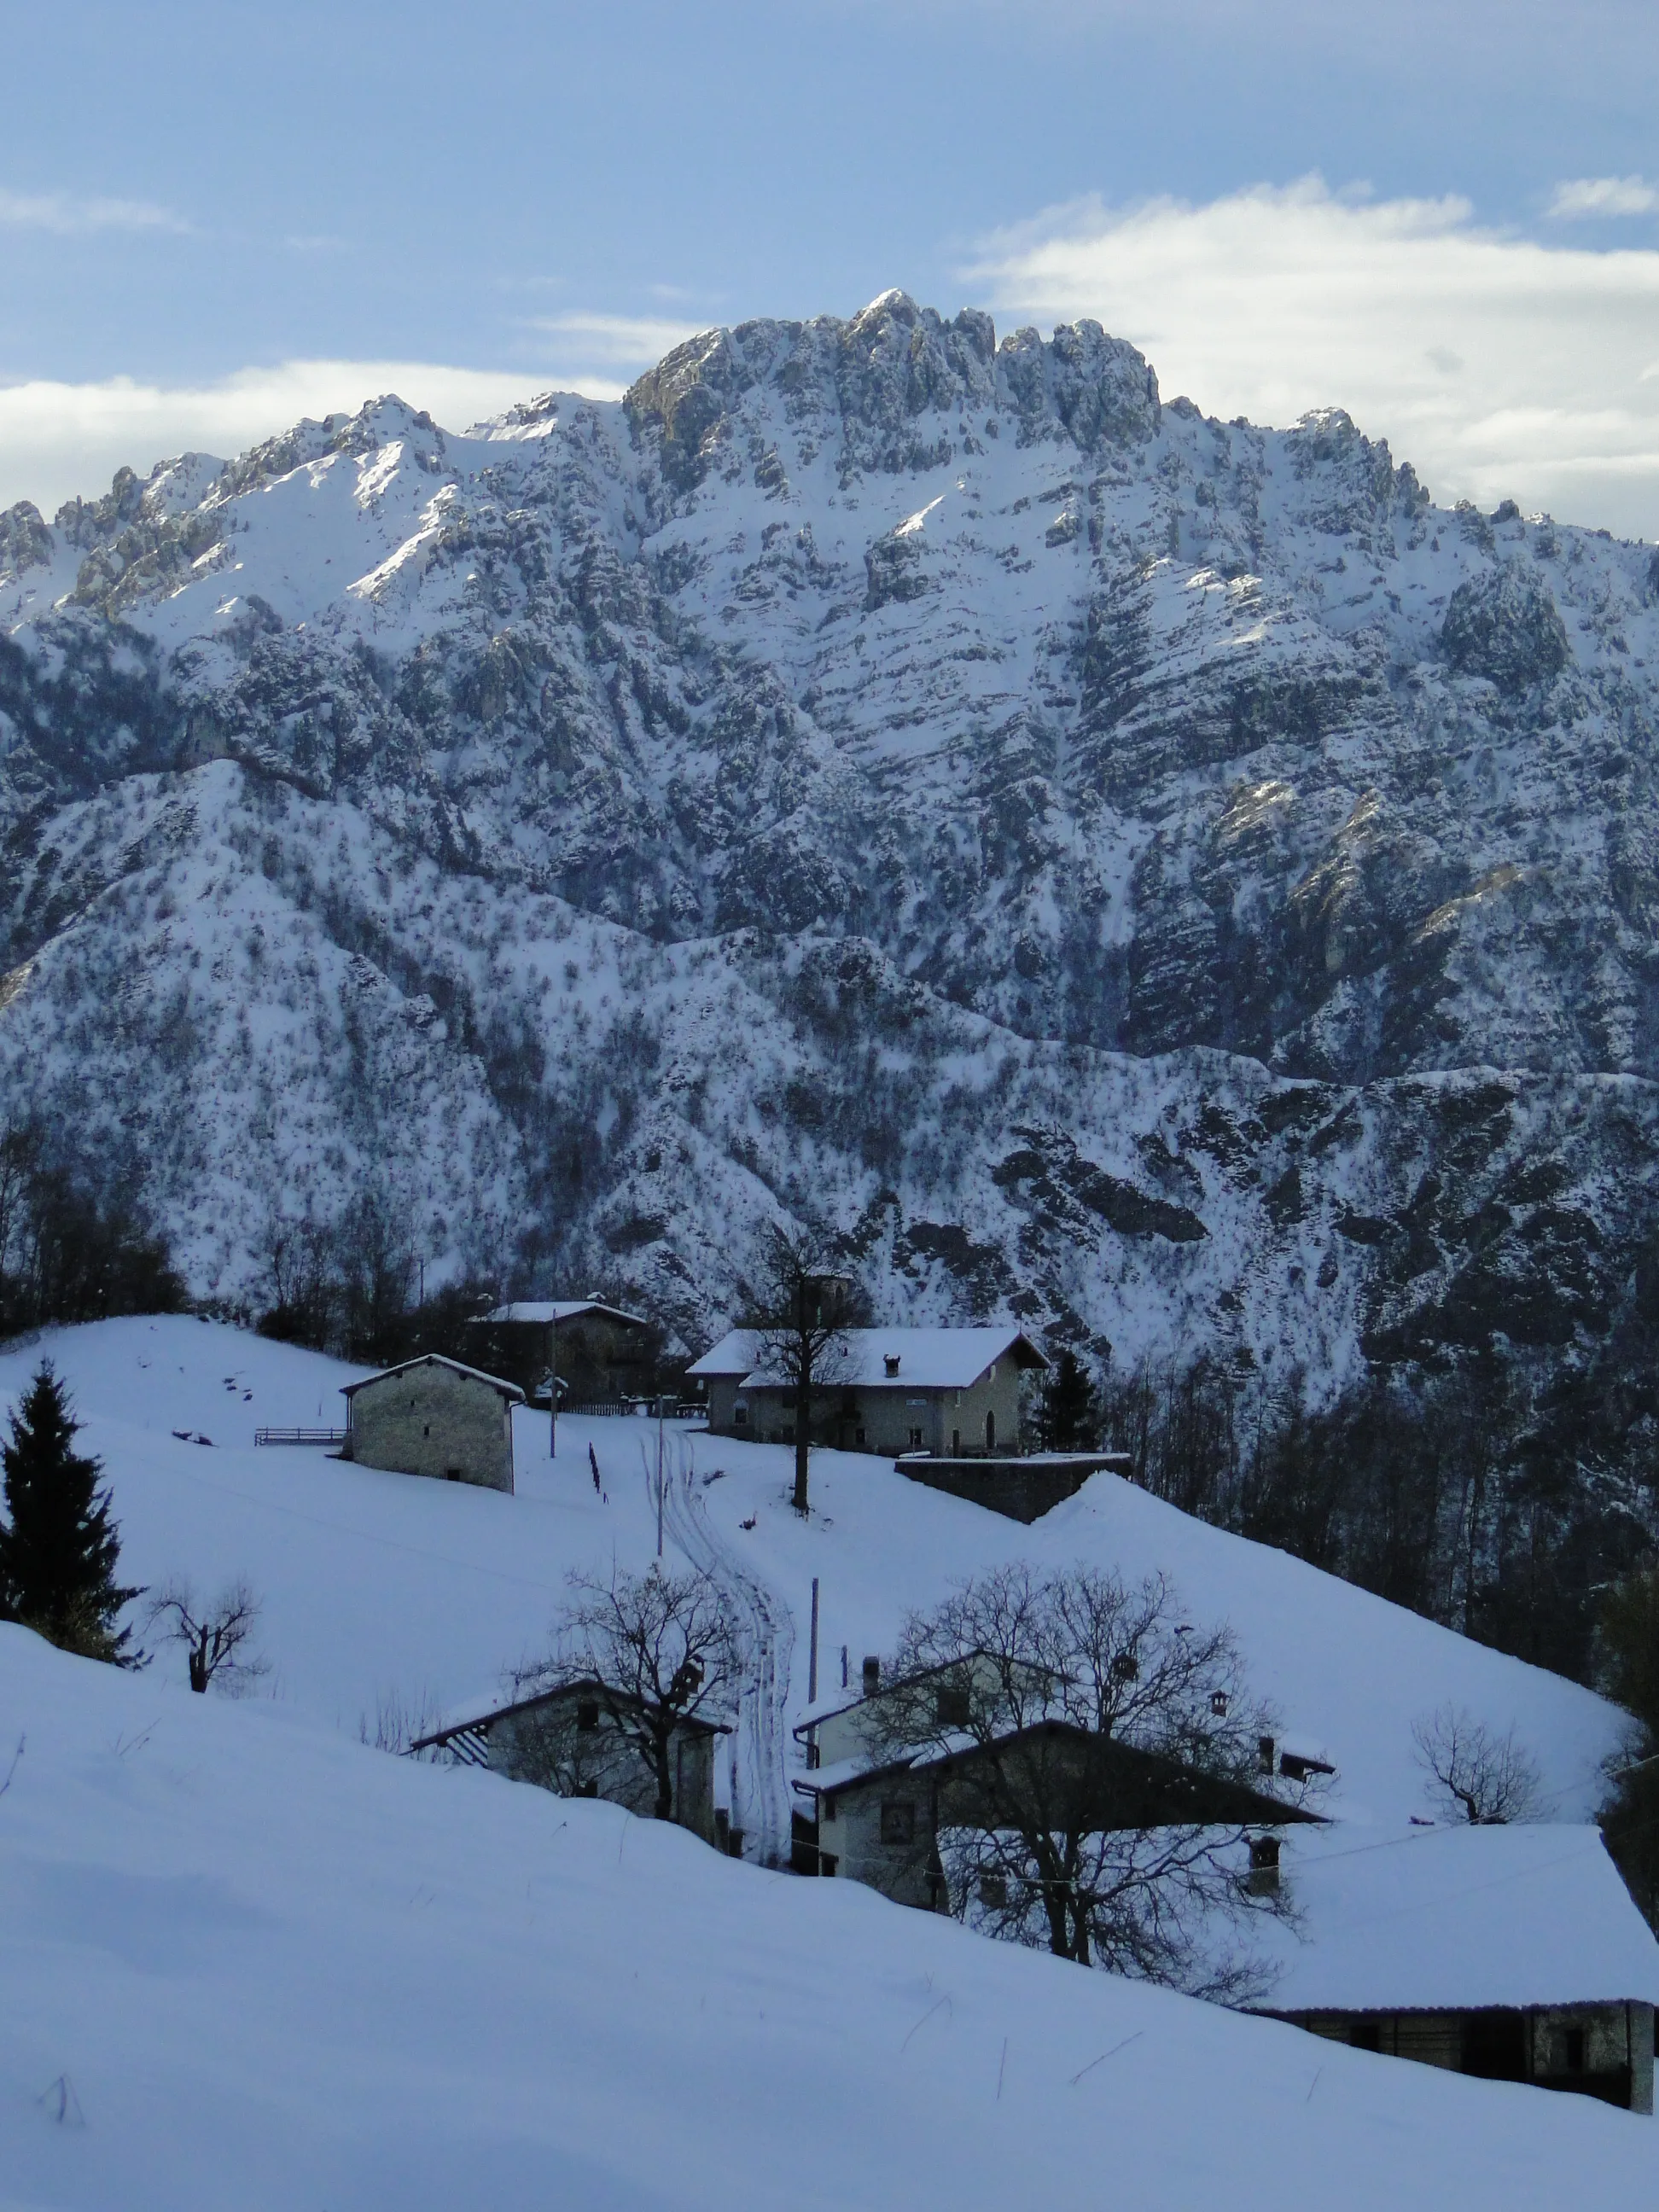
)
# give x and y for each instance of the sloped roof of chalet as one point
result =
(434, 1359)
(1455, 1918)
(466, 1720)
(557, 1310)
(929, 1358)
(1155, 1772)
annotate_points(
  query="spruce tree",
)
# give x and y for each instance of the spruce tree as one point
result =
(1070, 1417)
(59, 1548)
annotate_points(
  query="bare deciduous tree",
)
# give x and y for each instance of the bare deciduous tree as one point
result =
(657, 1651)
(1058, 1838)
(1474, 1774)
(804, 1310)
(216, 1636)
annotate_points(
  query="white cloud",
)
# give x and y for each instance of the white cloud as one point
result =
(1501, 368)
(59, 438)
(1600, 196)
(65, 213)
(621, 341)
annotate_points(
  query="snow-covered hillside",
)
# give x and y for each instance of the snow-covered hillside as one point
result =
(1160, 877)
(381, 1591)
(245, 1964)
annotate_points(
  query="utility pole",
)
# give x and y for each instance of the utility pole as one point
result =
(552, 1389)
(659, 1475)
(812, 1662)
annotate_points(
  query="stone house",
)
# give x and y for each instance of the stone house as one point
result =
(951, 1392)
(432, 1416)
(570, 1741)
(876, 1819)
(1509, 1951)
(601, 1355)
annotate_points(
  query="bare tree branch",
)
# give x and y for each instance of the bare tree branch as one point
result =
(805, 1311)
(214, 1636)
(657, 1651)
(1474, 1774)
(1051, 1840)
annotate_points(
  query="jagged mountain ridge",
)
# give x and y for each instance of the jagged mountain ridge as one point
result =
(1163, 877)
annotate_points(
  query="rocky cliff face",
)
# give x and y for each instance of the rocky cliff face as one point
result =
(1160, 877)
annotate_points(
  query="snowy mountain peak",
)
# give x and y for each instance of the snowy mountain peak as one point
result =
(1093, 856)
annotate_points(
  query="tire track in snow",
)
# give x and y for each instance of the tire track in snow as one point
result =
(766, 1631)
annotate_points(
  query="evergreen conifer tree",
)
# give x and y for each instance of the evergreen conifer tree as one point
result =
(59, 1546)
(1071, 1419)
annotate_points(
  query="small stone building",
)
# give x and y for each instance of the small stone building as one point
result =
(572, 1741)
(1512, 1952)
(951, 1392)
(600, 1355)
(432, 1416)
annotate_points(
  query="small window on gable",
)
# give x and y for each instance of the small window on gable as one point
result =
(898, 1821)
(954, 1706)
(587, 1713)
(741, 1417)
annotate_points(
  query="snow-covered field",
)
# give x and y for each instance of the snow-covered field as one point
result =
(379, 1587)
(247, 1961)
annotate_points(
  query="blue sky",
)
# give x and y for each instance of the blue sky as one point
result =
(1444, 216)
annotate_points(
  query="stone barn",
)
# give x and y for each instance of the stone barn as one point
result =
(572, 1740)
(432, 1416)
(601, 1355)
(1509, 1951)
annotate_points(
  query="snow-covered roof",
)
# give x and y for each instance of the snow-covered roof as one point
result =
(433, 1359)
(557, 1310)
(928, 1358)
(1457, 1918)
(734, 1355)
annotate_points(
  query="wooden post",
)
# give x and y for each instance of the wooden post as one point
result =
(812, 1662)
(552, 1389)
(659, 1477)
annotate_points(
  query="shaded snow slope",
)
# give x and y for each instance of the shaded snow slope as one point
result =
(247, 1964)
(382, 1586)
(1155, 878)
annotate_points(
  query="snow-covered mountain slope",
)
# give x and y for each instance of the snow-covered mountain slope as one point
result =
(1163, 877)
(246, 1963)
(381, 1592)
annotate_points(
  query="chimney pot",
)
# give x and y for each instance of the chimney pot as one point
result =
(871, 1677)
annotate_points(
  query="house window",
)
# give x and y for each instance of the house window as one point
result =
(786, 1400)
(741, 1417)
(587, 1714)
(956, 1443)
(898, 1821)
(1572, 2050)
(953, 1708)
(915, 1439)
(990, 1432)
